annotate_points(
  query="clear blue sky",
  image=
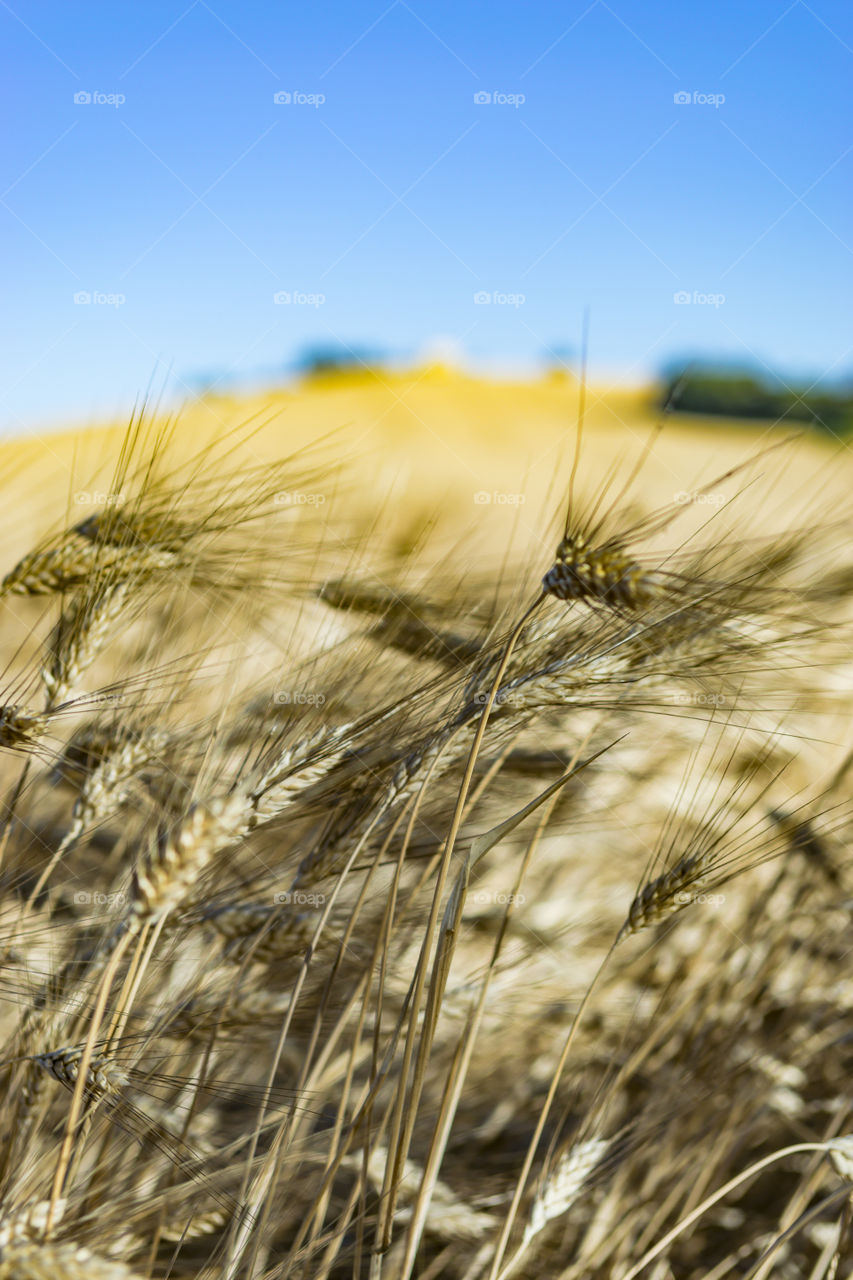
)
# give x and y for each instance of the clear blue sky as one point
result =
(198, 198)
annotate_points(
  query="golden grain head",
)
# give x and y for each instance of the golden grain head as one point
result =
(604, 575)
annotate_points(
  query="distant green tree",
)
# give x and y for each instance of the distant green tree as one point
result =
(337, 358)
(743, 393)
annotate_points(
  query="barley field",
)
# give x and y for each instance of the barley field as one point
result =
(425, 841)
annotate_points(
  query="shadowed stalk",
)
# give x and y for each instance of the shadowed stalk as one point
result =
(462, 1058)
(401, 1133)
(76, 1105)
(545, 1111)
(743, 1176)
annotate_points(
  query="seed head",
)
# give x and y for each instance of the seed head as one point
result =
(604, 574)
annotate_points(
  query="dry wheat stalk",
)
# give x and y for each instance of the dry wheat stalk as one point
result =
(254, 1010)
(564, 1183)
(449, 1216)
(166, 874)
(121, 526)
(107, 787)
(263, 933)
(27, 1223)
(105, 790)
(669, 892)
(292, 771)
(103, 1077)
(20, 727)
(425, 642)
(841, 1156)
(74, 563)
(89, 745)
(604, 574)
(201, 1224)
(83, 629)
(48, 572)
(59, 1262)
(433, 758)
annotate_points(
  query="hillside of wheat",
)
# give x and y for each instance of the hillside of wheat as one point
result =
(426, 835)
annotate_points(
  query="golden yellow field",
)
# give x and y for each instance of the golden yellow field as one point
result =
(416, 444)
(397, 884)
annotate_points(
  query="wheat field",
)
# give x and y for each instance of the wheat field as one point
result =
(425, 841)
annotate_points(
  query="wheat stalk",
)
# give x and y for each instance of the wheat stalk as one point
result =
(603, 574)
(22, 1261)
(82, 631)
(166, 874)
(103, 1077)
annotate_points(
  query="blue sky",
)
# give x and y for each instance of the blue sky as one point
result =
(383, 198)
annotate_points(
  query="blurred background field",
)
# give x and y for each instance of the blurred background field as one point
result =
(482, 458)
